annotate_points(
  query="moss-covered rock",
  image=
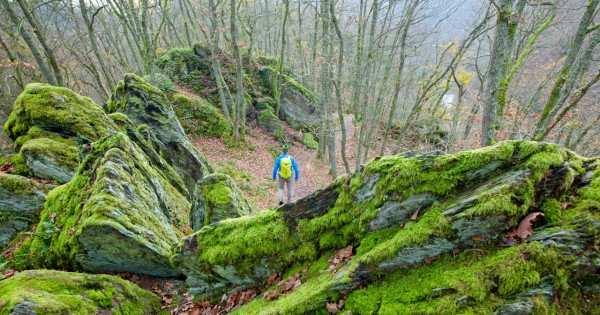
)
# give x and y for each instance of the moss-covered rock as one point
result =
(50, 159)
(20, 202)
(198, 117)
(59, 292)
(298, 104)
(146, 105)
(44, 123)
(216, 198)
(58, 110)
(118, 213)
(309, 141)
(191, 67)
(428, 233)
(271, 123)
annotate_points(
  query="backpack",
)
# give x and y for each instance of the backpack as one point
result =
(285, 167)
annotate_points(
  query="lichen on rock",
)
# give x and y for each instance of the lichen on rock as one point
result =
(216, 198)
(59, 292)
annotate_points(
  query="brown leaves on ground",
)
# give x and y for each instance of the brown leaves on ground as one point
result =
(525, 228)
(340, 258)
(283, 287)
(164, 288)
(335, 307)
(6, 168)
(227, 304)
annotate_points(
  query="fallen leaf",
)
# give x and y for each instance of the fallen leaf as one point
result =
(271, 295)
(332, 307)
(8, 273)
(415, 215)
(525, 228)
(341, 256)
(272, 279)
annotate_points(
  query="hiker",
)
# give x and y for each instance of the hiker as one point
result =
(285, 167)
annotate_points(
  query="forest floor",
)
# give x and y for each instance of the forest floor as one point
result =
(251, 164)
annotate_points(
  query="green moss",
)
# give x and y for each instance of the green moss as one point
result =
(244, 240)
(111, 196)
(309, 141)
(433, 223)
(270, 122)
(438, 288)
(198, 117)
(64, 153)
(58, 292)
(16, 183)
(58, 110)
(36, 132)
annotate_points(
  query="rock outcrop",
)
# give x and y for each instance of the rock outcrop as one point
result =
(46, 123)
(431, 234)
(59, 292)
(216, 198)
(146, 105)
(191, 68)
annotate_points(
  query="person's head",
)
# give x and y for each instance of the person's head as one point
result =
(284, 148)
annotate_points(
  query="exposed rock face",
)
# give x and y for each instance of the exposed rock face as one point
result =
(429, 233)
(146, 105)
(20, 202)
(59, 292)
(216, 198)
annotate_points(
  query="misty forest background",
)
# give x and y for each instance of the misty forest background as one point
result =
(409, 75)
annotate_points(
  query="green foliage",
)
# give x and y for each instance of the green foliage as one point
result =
(309, 141)
(58, 292)
(198, 117)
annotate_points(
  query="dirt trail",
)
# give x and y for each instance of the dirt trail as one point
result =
(251, 166)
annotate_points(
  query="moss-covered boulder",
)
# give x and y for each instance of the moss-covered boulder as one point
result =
(216, 198)
(309, 141)
(429, 233)
(20, 202)
(59, 292)
(146, 105)
(271, 123)
(198, 117)
(119, 213)
(298, 104)
(44, 123)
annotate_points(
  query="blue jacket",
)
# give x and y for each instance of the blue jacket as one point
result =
(295, 167)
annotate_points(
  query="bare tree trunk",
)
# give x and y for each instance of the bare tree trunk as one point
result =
(239, 110)
(337, 83)
(37, 30)
(279, 75)
(46, 73)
